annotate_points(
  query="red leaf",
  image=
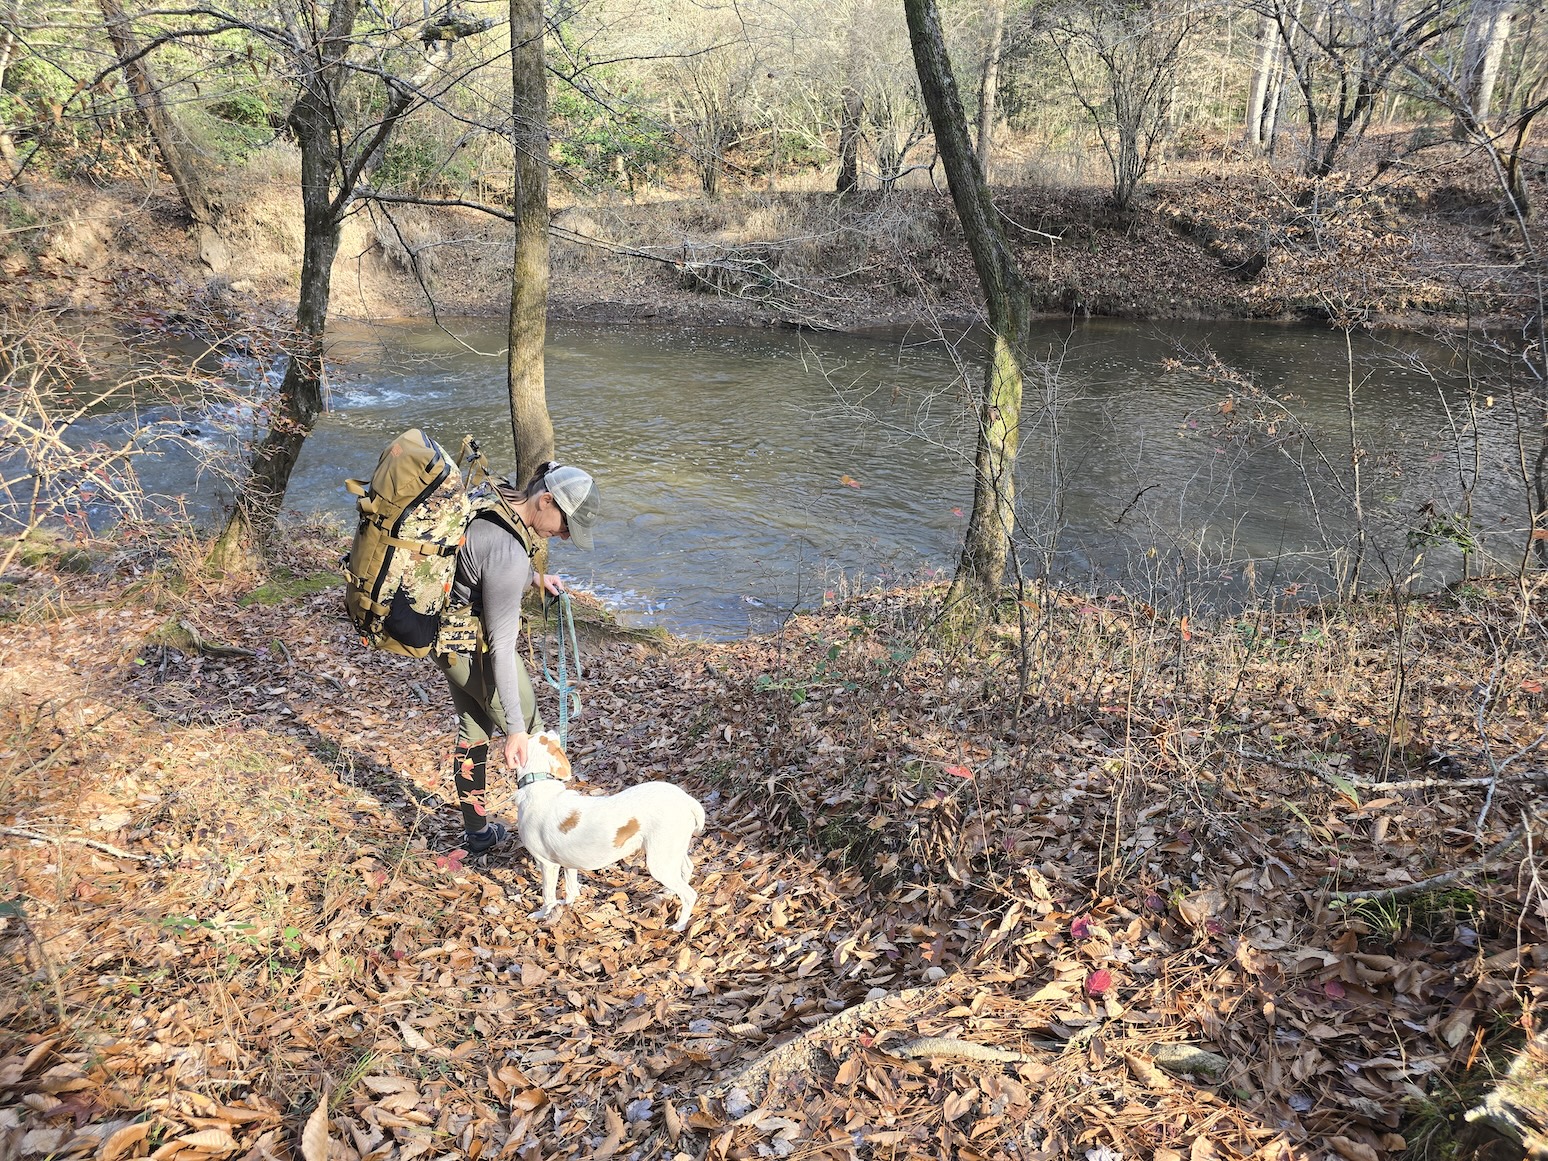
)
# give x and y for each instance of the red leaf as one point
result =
(1334, 990)
(959, 772)
(1099, 982)
(1080, 928)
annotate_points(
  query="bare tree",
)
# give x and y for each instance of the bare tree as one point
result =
(1356, 45)
(849, 139)
(335, 153)
(989, 85)
(1453, 85)
(1488, 30)
(176, 155)
(1122, 60)
(10, 30)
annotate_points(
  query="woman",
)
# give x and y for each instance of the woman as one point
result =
(487, 678)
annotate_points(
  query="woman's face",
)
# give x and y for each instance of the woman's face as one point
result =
(551, 521)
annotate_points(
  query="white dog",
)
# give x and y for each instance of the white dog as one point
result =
(563, 828)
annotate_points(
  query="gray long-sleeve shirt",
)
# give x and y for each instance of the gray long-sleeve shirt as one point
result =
(493, 572)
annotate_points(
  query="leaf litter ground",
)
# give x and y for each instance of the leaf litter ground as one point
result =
(958, 899)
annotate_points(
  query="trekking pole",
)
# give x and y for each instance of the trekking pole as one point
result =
(569, 692)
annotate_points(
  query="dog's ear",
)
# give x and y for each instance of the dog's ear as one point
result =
(558, 764)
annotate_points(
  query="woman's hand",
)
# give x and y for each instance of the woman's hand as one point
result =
(550, 583)
(516, 746)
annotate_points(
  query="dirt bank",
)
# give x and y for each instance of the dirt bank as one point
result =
(1225, 239)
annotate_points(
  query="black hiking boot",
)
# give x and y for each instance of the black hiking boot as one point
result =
(485, 840)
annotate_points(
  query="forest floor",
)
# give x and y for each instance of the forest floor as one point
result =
(1086, 886)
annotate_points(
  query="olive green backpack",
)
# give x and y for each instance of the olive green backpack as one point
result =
(414, 515)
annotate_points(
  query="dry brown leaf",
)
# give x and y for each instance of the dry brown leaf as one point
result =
(615, 1134)
(1201, 906)
(383, 1085)
(957, 1103)
(1146, 1072)
(1352, 1150)
(119, 1144)
(412, 1039)
(216, 1140)
(529, 1100)
(1456, 1027)
(314, 1137)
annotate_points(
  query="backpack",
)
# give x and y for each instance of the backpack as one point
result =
(414, 515)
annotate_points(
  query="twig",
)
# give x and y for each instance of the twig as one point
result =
(1499, 771)
(33, 836)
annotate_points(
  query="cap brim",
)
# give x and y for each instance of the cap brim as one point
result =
(580, 536)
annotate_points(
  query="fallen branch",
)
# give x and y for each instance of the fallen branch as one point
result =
(934, 1046)
(33, 836)
(1445, 878)
(1341, 781)
(798, 1055)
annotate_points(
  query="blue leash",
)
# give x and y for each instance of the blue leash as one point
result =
(569, 692)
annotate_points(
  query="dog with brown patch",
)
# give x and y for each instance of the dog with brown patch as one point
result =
(580, 832)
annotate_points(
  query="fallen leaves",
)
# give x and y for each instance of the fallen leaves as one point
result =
(1125, 917)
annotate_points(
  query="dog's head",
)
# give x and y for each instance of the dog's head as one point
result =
(546, 756)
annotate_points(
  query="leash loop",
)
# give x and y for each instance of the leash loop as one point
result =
(569, 691)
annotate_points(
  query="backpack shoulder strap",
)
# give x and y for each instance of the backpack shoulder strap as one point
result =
(497, 511)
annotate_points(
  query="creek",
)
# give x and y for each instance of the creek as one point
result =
(748, 473)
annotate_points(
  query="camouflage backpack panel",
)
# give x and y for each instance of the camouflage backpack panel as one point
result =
(438, 523)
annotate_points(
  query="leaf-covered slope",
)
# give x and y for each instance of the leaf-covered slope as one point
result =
(955, 896)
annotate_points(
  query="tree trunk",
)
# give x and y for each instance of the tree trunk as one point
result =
(10, 164)
(300, 399)
(1276, 96)
(989, 86)
(981, 569)
(170, 142)
(532, 429)
(849, 141)
(1262, 77)
(1487, 34)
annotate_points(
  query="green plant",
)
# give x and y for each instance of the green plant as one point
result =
(285, 586)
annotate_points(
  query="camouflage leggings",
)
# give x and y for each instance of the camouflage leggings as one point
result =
(479, 716)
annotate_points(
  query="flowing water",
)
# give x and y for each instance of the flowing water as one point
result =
(747, 473)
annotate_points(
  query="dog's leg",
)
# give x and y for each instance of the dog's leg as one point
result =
(673, 873)
(550, 890)
(571, 885)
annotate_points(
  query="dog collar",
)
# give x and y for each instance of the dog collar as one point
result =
(532, 776)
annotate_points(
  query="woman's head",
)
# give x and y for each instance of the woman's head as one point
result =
(567, 491)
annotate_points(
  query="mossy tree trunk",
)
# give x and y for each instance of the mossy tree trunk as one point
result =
(985, 550)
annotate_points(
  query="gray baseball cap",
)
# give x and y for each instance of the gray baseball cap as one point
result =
(576, 493)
